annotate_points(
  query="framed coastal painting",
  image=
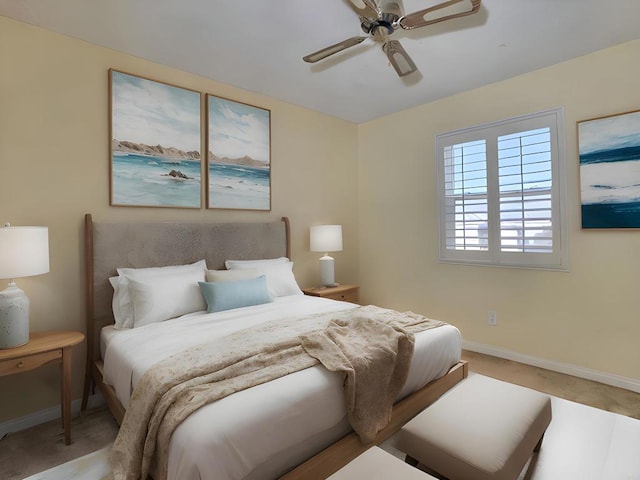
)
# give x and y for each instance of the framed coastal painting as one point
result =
(238, 155)
(609, 149)
(155, 143)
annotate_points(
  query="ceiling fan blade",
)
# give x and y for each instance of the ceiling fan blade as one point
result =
(338, 47)
(366, 8)
(400, 60)
(439, 13)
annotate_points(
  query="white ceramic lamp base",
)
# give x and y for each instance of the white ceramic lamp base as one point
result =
(327, 278)
(14, 317)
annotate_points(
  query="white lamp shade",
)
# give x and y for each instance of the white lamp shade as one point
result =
(326, 238)
(24, 251)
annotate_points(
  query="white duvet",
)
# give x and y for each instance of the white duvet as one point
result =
(261, 432)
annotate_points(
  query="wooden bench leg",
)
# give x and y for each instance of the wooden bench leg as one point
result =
(411, 461)
(414, 462)
(537, 449)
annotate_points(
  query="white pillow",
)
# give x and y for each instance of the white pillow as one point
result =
(138, 273)
(280, 278)
(122, 303)
(231, 275)
(118, 315)
(163, 297)
(233, 264)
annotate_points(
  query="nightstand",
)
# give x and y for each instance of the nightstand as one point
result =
(44, 348)
(345, 293)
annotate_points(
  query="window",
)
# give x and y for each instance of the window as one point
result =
(501, 193)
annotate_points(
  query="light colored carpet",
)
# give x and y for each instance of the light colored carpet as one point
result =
(38, 448)
(581, 443)
(576, 389)
(94, 466)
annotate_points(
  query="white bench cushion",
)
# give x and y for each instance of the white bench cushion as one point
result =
(481, 429)
(376, 464)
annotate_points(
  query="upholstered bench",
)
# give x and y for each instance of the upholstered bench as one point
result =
(479, 430)
(376, 464)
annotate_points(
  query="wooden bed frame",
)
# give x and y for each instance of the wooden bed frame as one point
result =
(112, 245)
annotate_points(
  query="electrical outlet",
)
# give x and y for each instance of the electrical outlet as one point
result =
(492, 318)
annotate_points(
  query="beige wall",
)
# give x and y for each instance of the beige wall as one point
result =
(589, 316)
(55, 167)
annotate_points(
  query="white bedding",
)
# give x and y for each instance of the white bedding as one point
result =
(261, 432)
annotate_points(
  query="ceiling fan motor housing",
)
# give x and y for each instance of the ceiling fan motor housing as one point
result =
(390, 14)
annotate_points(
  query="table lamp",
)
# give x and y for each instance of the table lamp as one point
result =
(326, 238)
(24, 251)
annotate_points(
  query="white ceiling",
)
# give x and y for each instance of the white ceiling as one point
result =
(258, 45)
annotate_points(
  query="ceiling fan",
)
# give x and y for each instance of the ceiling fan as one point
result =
(380, 18)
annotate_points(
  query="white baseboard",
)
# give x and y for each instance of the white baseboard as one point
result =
(632, 384)
(46, 415)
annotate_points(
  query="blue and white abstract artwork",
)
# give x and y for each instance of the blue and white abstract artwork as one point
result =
(239, 155)
(155, 144)
(610, 171)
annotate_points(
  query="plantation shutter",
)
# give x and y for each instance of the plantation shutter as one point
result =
(466, 200)
(501, 193)
(525, 181)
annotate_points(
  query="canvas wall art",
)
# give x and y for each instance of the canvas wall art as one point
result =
(155, 143)
(238, 155)
(609, 149)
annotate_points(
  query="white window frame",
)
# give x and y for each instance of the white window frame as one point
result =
(558, 258)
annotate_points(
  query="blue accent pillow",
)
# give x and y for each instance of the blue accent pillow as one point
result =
(222, 296)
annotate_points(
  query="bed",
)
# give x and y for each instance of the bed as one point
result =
(291, 427)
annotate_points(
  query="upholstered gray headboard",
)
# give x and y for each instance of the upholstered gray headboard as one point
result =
(112, 245)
